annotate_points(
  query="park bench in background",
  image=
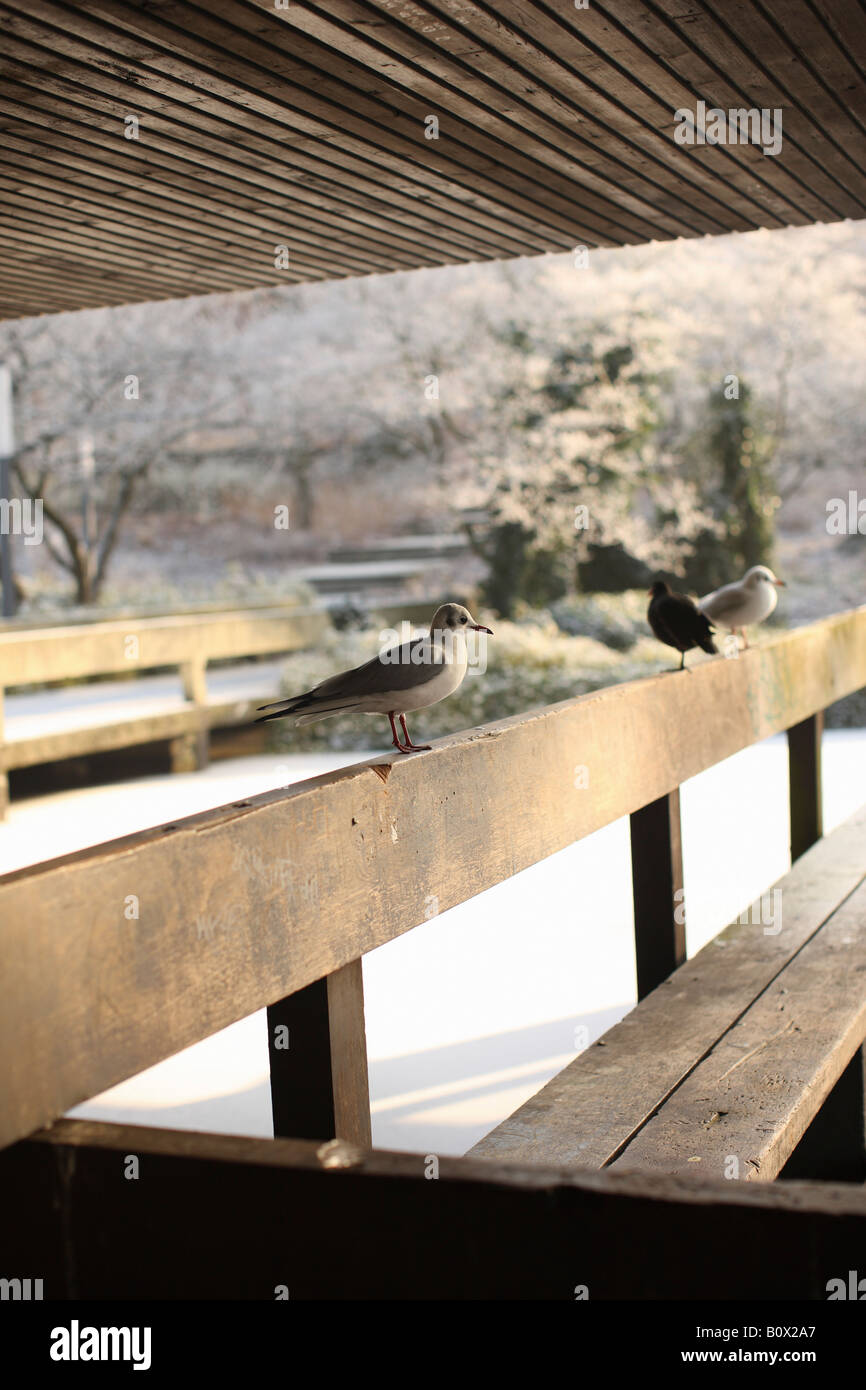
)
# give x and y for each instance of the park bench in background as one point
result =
(274, 901)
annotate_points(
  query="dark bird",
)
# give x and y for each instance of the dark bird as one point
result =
(678, 622)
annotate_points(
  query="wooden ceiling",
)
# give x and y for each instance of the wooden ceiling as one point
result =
(304, 126)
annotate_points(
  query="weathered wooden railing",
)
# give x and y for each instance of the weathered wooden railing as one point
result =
(245, 906)
(121, 955)
(129, 645)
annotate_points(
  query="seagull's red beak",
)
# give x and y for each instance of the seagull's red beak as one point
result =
(476, 627)
(780, 583)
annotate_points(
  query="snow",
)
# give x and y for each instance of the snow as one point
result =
(473, 1011)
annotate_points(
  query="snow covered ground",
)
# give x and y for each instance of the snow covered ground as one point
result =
(470, 1013)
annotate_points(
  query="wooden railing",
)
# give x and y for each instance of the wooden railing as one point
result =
(121, 955)
(189, 641)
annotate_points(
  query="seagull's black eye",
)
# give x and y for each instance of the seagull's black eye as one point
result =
(463, 620)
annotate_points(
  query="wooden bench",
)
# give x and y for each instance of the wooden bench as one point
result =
(721, 1069)
(272, 902)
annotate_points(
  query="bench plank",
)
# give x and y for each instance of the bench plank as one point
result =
(754, 1096)
(588, 1112)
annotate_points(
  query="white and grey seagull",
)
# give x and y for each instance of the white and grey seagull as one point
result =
(408, 677)
(751, 600)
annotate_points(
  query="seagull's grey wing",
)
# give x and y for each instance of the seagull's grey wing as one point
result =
(345, 690)
(376, 676)
(726, 600)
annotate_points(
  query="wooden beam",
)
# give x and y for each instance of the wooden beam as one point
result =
(804, 782)
(657, 884)
(108, 1211)
(31, 656)
(244, 905)
(318, 1053)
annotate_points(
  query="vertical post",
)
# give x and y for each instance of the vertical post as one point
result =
(88, 512)
(192, 752)
(833, 1149)
(6, 579)
(804, 782)
(657, 880)
(7, 450)
(4, 776)
(318, 1052)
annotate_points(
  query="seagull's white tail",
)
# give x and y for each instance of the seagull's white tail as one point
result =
(323, 714)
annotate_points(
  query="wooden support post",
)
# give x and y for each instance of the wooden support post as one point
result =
(4, 776)
(185, 753)
(833, 1149)
(318, 1050)
(804, 781)
(193, 748)
(657, 880)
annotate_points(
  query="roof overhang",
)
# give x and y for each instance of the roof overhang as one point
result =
(154, 148)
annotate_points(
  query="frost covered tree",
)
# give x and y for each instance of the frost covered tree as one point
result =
(576, 459)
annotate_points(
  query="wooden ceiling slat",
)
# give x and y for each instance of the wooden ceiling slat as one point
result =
(831, 70)
(78, 232)
(648, 90)
(59, 278)
(846, 22)
(580, 105)
(546, 132)
(17, 231)
(190, 235)
(500, 170)
(710, 38)
(309, 116)
(56, 199)
(158, 178)
(345, 85)
(305, 126)
(34, 106)
(299, 252)
(365, 203)
(418, 190)
(54, 274)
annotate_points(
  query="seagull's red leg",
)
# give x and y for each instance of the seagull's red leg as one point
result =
(745, 638)
(397, 744)
(410, 746)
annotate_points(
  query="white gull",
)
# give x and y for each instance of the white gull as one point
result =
(408, 677)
